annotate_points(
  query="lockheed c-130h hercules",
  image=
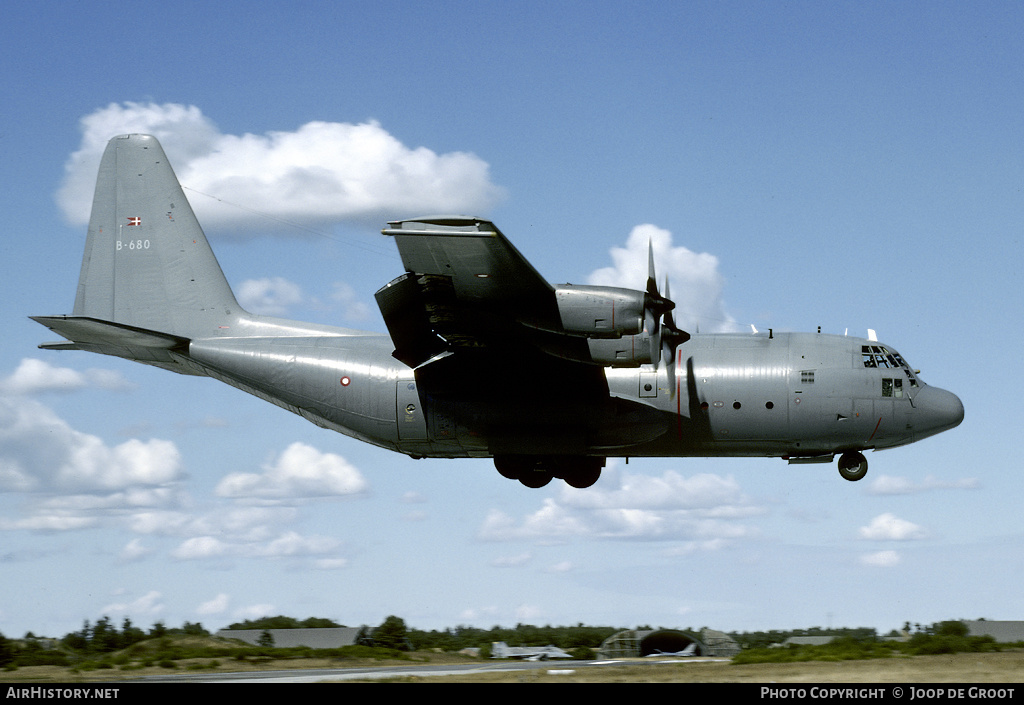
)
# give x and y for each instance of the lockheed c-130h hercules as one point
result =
(485, 358)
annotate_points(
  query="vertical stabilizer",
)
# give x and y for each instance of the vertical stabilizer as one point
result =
(147, 262)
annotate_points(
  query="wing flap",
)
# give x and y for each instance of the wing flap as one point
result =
(403, 304)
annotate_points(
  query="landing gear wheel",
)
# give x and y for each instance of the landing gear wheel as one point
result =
(527, 469)
(508, 467)
(537, 471)
(583, 479)
(853, 466)
(583, 473)
(535, 479)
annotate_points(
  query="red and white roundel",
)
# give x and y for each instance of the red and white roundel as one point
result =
(345, 381)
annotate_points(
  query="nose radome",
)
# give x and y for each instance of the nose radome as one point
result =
(940, 410)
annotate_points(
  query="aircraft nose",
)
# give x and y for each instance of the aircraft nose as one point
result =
(939, 411)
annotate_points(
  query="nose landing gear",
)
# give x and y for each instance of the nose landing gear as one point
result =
(853, 466)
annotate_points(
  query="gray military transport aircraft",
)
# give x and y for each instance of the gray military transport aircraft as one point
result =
(485, 358)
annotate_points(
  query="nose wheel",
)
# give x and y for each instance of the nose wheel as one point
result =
(853, 466)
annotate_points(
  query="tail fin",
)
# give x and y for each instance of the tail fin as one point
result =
(147, 262)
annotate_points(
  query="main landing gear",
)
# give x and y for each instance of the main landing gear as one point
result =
(853, 466)
(537, 471)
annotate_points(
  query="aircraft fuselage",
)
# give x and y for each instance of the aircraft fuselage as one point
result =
(789, 395)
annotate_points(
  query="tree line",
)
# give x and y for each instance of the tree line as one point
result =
(104, 637)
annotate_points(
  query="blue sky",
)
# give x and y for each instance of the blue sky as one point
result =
(843, 165)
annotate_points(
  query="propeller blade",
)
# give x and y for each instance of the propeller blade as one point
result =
(652, 284)
(652, 325)
(671, 338)
(654, 301)
(665, 337)
(668, 349)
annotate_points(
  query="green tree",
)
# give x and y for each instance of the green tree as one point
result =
(130, 634)
(79, 641)
(104, 636)
(392, 634)
(194, 629)
(318, 623)
(265, 639)
(951, 628)
(7, 651)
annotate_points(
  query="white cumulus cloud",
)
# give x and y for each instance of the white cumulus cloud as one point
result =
(201, 547)
(149, 605)
(218, 605)
(270, 296)
(41, 452)
(695, 282)
(891, 485)
(889, 527)
(881, 559)
(294, 544)
(321, 172)
(301, 471)
(33, 376)
(705, 509)
(133, 551)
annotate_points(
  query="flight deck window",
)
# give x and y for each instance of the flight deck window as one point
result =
(892, 387)
(877, 356)
(906, 368)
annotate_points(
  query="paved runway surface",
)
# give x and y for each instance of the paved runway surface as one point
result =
(404, 671)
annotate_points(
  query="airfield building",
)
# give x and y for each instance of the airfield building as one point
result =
(1002, 632)
(633, 643)
(325, 638)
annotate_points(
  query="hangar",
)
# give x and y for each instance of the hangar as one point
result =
(1002, 631)
(317, 638)
(635, 643)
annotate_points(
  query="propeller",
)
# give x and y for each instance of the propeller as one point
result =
(671, 338)
(660, 323)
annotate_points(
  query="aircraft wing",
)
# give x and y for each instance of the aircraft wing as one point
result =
(465, 287)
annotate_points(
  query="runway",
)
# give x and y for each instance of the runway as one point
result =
(321, 675)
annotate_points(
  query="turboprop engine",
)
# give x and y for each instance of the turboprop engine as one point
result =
(623, 327)
(600, 311)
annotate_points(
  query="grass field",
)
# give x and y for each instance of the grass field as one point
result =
(998, 667)
(1004, 667)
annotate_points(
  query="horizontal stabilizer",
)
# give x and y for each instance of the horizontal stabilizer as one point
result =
(119, 340)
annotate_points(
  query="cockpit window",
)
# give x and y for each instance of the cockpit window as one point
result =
(892, 387)
(875, 356)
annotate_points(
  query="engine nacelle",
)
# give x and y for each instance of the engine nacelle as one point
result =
(600, 311)
(627, 351)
